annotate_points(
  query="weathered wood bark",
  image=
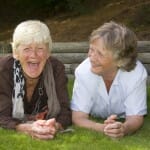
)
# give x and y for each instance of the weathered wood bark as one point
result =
(147, 66)
(74, 47)
(143, 46)
(144, 57)
(70, 58)
(73, 53)
(148, 80)
(70, 47)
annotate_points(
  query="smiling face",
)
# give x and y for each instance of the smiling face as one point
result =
(32, 58)
(102, 61)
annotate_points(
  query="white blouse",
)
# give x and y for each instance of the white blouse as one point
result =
(127, 95)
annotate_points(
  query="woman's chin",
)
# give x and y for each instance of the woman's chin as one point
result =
(95, 71)
(32, 75)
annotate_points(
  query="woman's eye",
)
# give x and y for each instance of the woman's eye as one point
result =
(100, 54)
(40, 48)
(26, 50)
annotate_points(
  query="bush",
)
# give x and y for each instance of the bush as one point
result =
(142, 16)
(52, 6)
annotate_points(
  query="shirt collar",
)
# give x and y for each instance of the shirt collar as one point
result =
(117, 78)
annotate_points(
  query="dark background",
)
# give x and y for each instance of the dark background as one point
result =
(74, 20)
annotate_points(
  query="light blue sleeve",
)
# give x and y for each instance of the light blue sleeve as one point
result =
(136, 101)
(82, 95)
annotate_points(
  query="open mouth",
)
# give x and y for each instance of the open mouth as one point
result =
(33, 66)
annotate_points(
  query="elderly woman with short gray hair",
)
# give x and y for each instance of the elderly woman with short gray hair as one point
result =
(110, 83)
(33, 85)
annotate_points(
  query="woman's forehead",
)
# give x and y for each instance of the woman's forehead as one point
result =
(33, 44)
(97, 44)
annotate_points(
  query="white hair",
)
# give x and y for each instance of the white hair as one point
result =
(31, 31)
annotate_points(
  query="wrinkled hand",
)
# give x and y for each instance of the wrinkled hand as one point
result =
(110, 119)
(114, 130)
(43, 129)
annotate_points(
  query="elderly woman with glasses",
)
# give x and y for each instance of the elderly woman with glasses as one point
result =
(33, 85)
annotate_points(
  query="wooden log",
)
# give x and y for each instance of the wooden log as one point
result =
(148, 81)
(73, 47)
(144, 57)
(5, 47)
(78, 57)
(70, 58)
(70, 68)
(143, 46)
(73, 53)
(5, 54)
(82, 47)
(147, 66)
(70, 47)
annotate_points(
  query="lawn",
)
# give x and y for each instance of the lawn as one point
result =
(79, 139)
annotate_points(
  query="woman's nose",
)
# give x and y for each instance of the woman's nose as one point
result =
(33, 53)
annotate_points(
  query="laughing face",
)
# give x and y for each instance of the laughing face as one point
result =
(32, 58)
(102, 61)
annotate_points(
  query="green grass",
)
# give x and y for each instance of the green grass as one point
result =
(79, 139)
(70, 87)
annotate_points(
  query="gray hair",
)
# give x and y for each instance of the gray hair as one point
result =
(121, 41)
(31, 31)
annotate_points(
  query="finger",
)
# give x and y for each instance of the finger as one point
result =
(112, 117)
(112, 131)
(116, 128)
(108, 121)
(115, 125)
(42, 136)
(40, 129)
(40, 122)
(51, 122)
(115, 133)
(44, 129)
(52, 130)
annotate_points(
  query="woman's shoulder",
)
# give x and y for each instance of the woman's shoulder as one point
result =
(6, 62)
(138, 72)
(137, 75)
(57, 66)
(55, 62)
